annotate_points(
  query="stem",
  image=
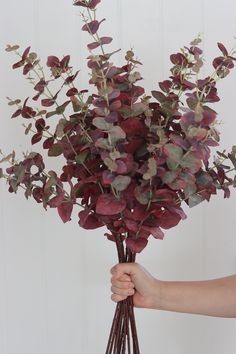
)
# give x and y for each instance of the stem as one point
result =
(123, 329)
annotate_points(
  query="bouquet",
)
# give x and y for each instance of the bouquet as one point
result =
(129, 160)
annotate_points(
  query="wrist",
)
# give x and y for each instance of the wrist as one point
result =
(157, 295)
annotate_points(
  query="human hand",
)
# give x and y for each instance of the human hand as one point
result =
(132, 279)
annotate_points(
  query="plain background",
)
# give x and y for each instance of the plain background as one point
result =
(54, 278)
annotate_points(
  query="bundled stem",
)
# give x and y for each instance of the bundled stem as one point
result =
(123, 335)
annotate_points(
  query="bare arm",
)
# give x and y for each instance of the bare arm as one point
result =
(216, 297)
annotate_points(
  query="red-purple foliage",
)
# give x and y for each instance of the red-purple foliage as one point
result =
(131, 160)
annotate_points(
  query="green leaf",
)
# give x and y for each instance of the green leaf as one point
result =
(232, 159)
(20, 173)
(55, 150)
(102, 124)
(103, 144)
(15, 102)
(81, 157)
(174, 155)
(8, 157)
(60, 128)
(141, 196)
(10, 48)
(204, 179)
(152, 169)
(120, 183)
(116, 134)
(110, 164)
(194, 200)
(61, 109)
(234, 182)
(191, 162)
(159, 96)
(190, 190)
(27, 130)
(197, 133)
(169, 177)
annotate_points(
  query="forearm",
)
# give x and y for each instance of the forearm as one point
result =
(215, 297)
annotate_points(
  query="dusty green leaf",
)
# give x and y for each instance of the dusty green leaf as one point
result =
(110, 164)
(114, 155)
(190, 190)
(191, 162)
(174, 155)
(159, 96)
(12, 48)
(60, 128)
(8, 157)
(103, 144)
(234, 182)
(61, 109)
(116, 134)
(55, 150)
(152, 169)
(15, 102)
(101, 123)
(194, 200)
(142, 197)
(81, 157)
(28, 128)
(120, 183)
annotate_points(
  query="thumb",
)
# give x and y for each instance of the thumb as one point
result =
(123, 268)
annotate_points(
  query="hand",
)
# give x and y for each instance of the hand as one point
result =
(132, 279)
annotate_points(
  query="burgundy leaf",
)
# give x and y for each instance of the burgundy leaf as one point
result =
(222, 49)
(165, 85)
(25, 54)
(27, 68)
(138, 245)
(47, 102)
(90, 4)
(71, 92)
(65, 211)
(93, 3)
(154, 231)
(17, 113)
(36, 138)
(55, 202)
(28, 112)
(38, 194)
(48, 143)
(169, 219)
(53, 62)
(92, 27)
(65, 62)
(89, 221)
(107, 204)
(71, 78)
(18, 64)
(93, 45)
(105, 40)
(40, 124)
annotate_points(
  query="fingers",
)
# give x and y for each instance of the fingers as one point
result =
(121, 294)
(123, 268)
(122, 285)
(117, 298)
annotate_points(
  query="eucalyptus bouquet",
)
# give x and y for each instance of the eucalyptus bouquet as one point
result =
(129, 159)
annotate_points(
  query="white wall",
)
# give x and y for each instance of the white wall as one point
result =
(54, 278)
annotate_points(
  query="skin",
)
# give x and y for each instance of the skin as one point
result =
(216, 297)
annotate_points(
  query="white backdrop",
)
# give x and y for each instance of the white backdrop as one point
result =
(54, 278)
